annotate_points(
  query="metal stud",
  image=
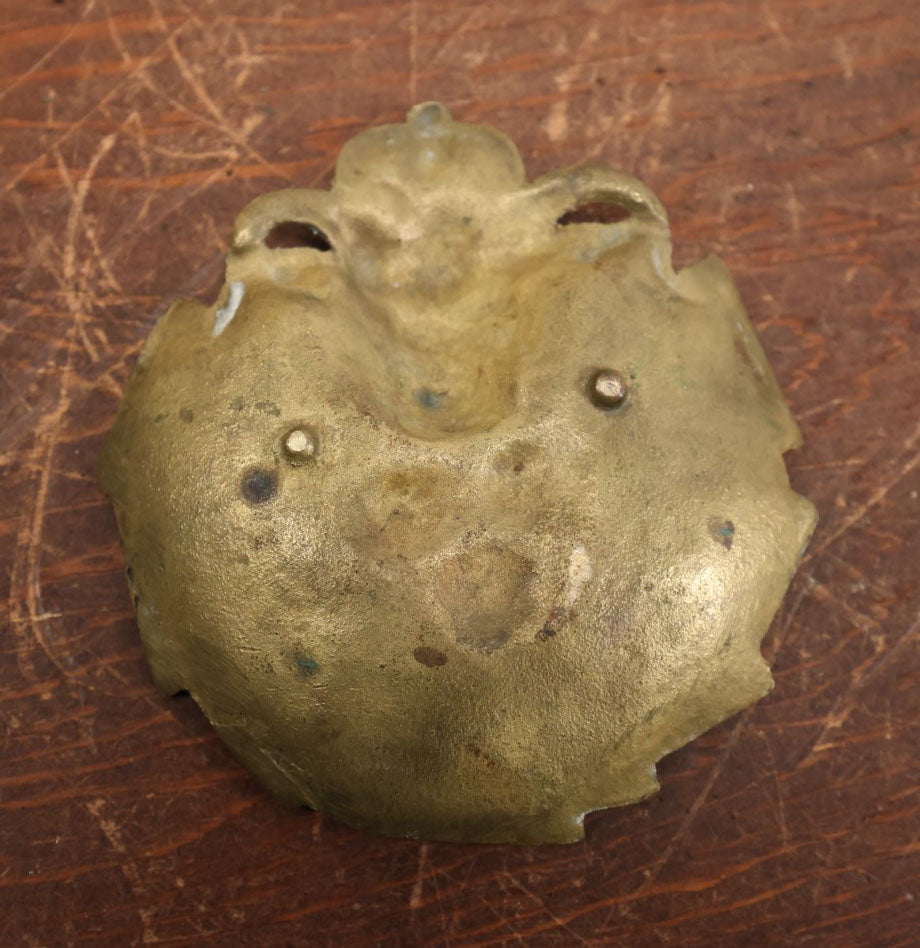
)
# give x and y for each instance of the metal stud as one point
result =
(299, 444)
(608, 388)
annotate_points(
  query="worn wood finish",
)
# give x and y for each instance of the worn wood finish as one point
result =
(781, 135)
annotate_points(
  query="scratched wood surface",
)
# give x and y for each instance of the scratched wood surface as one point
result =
(782, 135)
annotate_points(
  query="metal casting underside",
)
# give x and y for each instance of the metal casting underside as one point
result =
(456, 512)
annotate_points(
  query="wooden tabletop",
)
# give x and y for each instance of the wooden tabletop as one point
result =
(782, 136)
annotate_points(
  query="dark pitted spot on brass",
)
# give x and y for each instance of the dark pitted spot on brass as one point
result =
(258, 486)
(287, 234)
(186, 415)
(299, 445)
(430, 657)
(608, 388)
(479, 754)
(722, 531)
(554, 622)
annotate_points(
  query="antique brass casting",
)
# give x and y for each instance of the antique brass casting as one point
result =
(459, 508)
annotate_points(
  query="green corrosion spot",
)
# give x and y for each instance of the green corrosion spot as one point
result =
(305, 665)
(429, 399)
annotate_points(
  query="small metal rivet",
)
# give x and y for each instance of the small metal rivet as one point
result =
(299, 444)
(608, 388)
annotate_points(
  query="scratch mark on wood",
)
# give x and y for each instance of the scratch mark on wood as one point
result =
(413, 51)
(45, 57)
(847, 702)
(128, 866)
(875, 498)
(415, 897)
(75, 126)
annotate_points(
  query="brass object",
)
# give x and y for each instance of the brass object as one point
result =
(458, 510)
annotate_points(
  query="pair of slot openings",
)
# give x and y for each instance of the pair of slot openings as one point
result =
(287, 234)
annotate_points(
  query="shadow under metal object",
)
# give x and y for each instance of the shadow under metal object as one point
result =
(460, 508)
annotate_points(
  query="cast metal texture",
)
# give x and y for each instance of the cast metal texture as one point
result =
(452, 517)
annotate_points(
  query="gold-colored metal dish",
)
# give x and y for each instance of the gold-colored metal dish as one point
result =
(454, 514)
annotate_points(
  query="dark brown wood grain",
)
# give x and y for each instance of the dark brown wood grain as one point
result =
(782, 136)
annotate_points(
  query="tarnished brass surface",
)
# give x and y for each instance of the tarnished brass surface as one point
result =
(454, 518)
